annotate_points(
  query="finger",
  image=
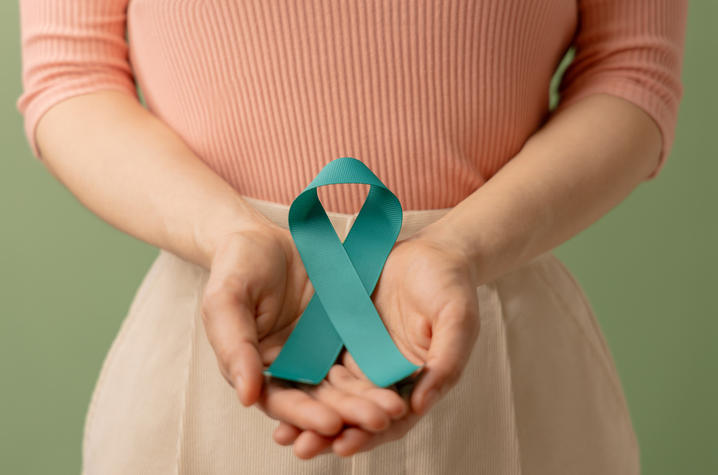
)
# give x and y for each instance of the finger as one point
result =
(386, 399)
(453, 337)
(350, 441)
(357, 442)
(355, 410)
(310, 444)
(350, 363)
(299, 409)
(231, 330)
(286, 434)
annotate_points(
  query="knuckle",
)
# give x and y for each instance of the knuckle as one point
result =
(235, 284)
(227, 289)
(225, 293)
(211, 300)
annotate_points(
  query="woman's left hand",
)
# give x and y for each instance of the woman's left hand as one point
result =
(426, 296)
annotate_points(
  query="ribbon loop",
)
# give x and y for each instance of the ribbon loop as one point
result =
(341, 312)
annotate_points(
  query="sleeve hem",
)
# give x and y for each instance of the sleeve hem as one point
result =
(664, 114)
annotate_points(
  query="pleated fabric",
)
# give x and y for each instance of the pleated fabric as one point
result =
(540, 393)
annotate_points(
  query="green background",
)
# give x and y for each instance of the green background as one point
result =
(648, 268)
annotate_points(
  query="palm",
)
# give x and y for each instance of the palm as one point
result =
(426, 297)
(266, 274)
(288, 293)
(420, 288)
(257, 290)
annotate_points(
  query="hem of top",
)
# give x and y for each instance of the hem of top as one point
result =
(340, 214)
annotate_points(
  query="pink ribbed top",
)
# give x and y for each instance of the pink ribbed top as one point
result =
(434, 96)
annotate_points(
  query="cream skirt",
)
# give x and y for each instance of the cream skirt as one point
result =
(540, 393)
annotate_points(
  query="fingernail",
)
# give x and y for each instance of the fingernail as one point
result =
(430, 399)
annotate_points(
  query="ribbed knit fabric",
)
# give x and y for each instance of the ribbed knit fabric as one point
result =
(434, 96)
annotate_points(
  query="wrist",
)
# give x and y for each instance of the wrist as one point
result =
(234, 217)
(455, 239)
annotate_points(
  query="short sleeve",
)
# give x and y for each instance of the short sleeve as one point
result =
(632, 49)
(70, 47)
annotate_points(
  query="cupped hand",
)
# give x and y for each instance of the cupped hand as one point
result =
(256, 291)
(426, 296)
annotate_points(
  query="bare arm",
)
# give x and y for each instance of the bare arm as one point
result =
(133, 171)
(612, 130)
(84, 120)
(578, 166)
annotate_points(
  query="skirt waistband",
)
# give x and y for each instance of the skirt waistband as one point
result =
(412, 221)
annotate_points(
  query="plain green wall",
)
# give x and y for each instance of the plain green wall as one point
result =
(648, 267)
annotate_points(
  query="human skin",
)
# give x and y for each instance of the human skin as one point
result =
(137, 174)
(579, 165)
(133, 171)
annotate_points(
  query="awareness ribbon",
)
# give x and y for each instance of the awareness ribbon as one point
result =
(341, 312)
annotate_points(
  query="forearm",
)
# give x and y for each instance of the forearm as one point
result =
(134, 172)
(577, 167)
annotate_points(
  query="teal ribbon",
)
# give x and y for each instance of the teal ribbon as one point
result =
(341, 312)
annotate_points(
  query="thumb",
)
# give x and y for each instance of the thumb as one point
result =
(454, 333)
(231, 329)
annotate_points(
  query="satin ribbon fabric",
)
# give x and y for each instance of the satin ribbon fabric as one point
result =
(341, 312)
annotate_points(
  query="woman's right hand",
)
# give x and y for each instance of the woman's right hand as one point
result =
(256, 291)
